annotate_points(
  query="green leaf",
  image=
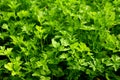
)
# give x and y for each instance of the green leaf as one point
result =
(5, 26)
(23, 13)
(2, 49)
(55, 44)
(83, 47)
(36, 73)
(45, 78)
(63, 56)
(64, 42)
(9, 66)
(13, 5)
(8, 51)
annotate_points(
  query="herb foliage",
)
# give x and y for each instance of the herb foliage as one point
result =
(59, 39)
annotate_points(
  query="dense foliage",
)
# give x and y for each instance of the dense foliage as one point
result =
(59, 39)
